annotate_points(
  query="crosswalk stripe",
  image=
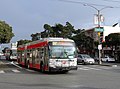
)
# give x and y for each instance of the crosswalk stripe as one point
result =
(16, 71)
(2, 71)
(103, 67)
(83, 69)
(92, 68)
(88, 68)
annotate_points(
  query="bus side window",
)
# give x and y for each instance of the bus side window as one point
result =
(41, 53)
(22, 54)
(38, 51)
(30, 55)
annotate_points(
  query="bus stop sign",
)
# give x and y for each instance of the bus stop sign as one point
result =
(100, 47)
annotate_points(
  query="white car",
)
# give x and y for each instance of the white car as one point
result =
(2, 57)
(13, 58)
(108, 59)
(86, 59)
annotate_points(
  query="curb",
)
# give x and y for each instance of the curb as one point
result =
(107, 64)
(110, 65)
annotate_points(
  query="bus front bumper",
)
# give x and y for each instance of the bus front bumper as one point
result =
(63, 68)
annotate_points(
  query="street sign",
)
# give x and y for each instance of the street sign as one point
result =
(99, 46)
(99, 29)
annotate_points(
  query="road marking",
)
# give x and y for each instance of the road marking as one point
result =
(92, 68)
(22, 67)
(105, 67)
(17, 71)
(16, 65)
(83, 69)
(29, 70)
(2, 71)
(88, 68)
(114, 65)
(1, 62)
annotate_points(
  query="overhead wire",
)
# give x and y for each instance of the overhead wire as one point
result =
(112, 1)
(84, 3)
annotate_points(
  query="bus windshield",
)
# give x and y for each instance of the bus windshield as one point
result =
(62, 52)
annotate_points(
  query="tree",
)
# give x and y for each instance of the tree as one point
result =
(36, 36)
(5, 32)
(59, 30)
(48, 31)
(84, 42)
(113, 39)
(21, 42)
(67, 31)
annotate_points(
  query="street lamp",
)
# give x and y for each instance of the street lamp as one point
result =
(98, 20)
(98, 12)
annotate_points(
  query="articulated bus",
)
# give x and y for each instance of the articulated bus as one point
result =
(49, 54)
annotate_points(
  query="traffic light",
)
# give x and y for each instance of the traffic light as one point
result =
(98, 34)
(101, 37)
(101, 34)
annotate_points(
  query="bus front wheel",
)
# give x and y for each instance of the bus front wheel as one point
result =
(42, 68)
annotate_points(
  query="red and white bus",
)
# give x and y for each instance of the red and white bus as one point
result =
(49, 54)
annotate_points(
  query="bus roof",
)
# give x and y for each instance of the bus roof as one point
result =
(44, 41)
(58, 39)
(50, 39)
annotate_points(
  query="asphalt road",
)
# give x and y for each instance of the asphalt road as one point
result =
(86, 77)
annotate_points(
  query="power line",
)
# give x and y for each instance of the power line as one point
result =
(84, 3)
(112, 1)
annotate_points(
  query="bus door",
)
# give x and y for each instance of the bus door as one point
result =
(41, 52)
(22, 58)
(33, 57)
(43, 58)
(37, 58)
(46, 57)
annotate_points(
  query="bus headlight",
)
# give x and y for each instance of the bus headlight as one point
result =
(52, 63)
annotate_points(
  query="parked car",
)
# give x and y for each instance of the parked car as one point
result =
(13, 57)
(2, 56)
(108, 59)
(85, 59)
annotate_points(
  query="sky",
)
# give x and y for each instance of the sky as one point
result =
(28, 17)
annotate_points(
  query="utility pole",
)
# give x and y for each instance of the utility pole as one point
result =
(98, 23)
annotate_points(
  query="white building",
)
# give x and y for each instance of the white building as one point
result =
(109, 29)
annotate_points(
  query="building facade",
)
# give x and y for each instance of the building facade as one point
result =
(106, 31)
(100, 37)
